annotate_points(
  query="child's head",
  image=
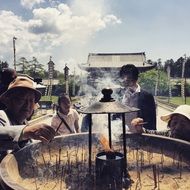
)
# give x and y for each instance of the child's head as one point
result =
(64, 103)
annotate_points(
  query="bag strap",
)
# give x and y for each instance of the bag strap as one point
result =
(66, 124)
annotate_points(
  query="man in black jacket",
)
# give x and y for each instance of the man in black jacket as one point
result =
(134, 96)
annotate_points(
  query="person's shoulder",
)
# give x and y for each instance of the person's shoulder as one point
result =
(2, 113)
(145, 92)
(3, 118)
(74, 113)
(72, 110)
(55, 119)
(55, 116)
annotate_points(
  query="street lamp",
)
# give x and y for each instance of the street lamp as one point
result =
(50, 72)
(14, 52)
(66, 75)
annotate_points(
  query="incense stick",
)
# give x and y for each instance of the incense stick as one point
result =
(143, 123)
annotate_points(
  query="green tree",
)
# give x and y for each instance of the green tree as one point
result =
(148, 81)
(23, 65)
(187, 68)
(176, 70)
(35, 68)
(149, 61)
(3, 65)
(170, 63)
(60, 77)
(158, 68)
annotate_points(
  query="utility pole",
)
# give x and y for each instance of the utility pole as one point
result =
(156, 93)
(14, 51)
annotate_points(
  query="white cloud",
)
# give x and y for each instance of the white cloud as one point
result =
(26, 44)
(53, 30)
(29, 4)
(69, 24)
(112, 19)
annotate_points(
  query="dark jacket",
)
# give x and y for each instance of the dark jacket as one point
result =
(147, 107)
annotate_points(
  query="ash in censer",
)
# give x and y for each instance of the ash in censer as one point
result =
(63, 165)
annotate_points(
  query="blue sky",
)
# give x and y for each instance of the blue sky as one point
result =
(70, 30)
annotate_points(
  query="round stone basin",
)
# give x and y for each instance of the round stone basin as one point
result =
(63, 164)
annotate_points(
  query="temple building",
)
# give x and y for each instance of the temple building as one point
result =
(101, 64)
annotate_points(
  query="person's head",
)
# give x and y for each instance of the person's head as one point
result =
(129, 74)
(179, 122)
(20, 98)
(64, 103)
(7, 76)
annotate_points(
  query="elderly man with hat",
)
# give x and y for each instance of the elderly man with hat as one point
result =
(178, 123)
(20, 99)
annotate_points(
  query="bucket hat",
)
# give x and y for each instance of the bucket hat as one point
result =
(21, 82)
(182, 110)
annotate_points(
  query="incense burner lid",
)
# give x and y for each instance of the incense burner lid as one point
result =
(107, 105)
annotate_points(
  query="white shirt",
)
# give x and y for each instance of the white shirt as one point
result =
(15, 134)
(130, 99)
(70, 119)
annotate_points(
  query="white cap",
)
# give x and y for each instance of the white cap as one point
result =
(182, 110)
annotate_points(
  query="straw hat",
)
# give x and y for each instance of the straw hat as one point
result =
(21, 82)
(182, 110)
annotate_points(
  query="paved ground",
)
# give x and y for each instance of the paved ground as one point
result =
(161, 125)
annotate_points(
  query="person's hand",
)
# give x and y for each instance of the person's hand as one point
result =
(42, 132)
(137, 124)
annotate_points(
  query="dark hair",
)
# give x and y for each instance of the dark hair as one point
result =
(7, 76)
(63, 97)
(130, 70)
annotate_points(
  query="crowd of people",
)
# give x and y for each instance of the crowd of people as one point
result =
(19, 97)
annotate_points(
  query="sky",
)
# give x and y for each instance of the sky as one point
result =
(70, 30)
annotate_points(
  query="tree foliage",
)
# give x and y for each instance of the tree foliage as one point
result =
(35, 68)
(32, 67)
(3, 65)
(176, 67)
(23, 65)
(148, 81)
(153, 81)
